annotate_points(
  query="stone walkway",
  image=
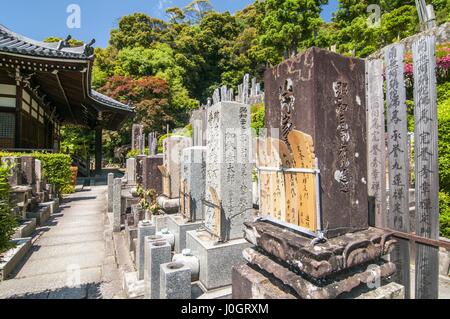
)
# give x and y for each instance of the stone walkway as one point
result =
(76, 244)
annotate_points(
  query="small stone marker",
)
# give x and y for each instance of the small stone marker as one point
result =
(131, 170)
(137, 140)
(110, 191)
(157, 252)
(175, 281)
(117, 199)
(38, 175)
(145, 229)
(152, 144)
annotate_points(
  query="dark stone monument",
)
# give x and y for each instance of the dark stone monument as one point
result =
(322, 94)
(152, 175)
(27, 167)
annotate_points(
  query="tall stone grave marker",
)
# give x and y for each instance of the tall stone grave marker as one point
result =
(427, 168)
(171, 170)
(228, 170)
(152, 178)
(322, 94)
(198, 122)
(137, 138)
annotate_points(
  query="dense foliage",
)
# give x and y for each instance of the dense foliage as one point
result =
(55, 168)
(7, 220)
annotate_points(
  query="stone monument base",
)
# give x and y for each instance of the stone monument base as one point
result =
(169, 205)
(133, 288)
(216, 259)
(179, 226)
(285, 264)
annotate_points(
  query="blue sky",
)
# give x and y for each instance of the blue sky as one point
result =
(43, 18)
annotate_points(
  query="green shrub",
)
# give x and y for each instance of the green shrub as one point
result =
(132, 154)
(258, 114)
(55, 167)
(7, 220)
(444, 143)
(444, 208)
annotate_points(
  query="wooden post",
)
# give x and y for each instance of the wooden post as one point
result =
(398, 218)
(376, 144)
(98, 148)
(427, 170)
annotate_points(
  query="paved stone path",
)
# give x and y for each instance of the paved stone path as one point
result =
(76, 243)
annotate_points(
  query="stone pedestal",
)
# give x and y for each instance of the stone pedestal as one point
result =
(145, 229)
(193, 178)
(342, 267)
(322, 94)
(216, 260)
(179, 226)
(175, 281)
(157, 252)
(228, 170)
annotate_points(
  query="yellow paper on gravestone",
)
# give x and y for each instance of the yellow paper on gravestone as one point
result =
(302, 146)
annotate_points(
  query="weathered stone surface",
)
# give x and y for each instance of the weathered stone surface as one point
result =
(216, 260)
(14, 178)
(11, 258)
(117, 207)
(173, 153)
(250, 284)
(193, 178)
(140, 162)
(199, 123)
(323, 259)
(175, 281)
(137, 138)
(38, 176)
(157, 252)
(228, 170)
(27, 169)
(389, 291)
(152, 178)
(322, 289)
(110, 191)
(322, 94)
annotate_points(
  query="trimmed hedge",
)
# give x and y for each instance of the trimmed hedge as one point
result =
(7, 220)
(55, 168)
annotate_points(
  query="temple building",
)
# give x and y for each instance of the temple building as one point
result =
(46, 85)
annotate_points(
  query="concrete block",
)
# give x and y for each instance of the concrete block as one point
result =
(216, 260)
(157, 252)
(145, 229)
(178, 226)
(11, 258)
(175, 281)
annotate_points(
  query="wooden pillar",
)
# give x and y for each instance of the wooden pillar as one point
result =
(18, 128)
(98, 148)
(427, 169)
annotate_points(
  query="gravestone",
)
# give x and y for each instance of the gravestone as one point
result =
(27, 168)
(131, 170)
(110, 191)
(322, 94)
(193, 183)
(38, 176)
(117, 207)
(175, 281)
(141, 161)
(137, 138)
(152, 178)
(152, 144)
(14, 178)
(171, 170)
(198, 122)
(145, 229)
(228, 170)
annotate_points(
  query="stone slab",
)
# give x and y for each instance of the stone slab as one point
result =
(152, 175)
(12, 257)
(323, 259)
(179, 226)
(193, 179)
(41, 215)
(157, 252)
(216, 260)
(133, 288)
(25, 229)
